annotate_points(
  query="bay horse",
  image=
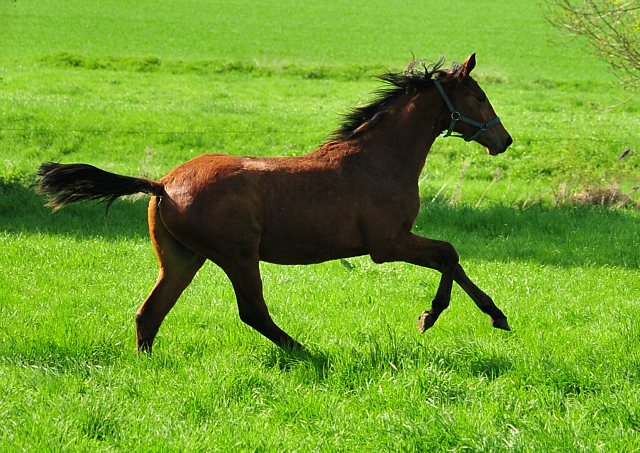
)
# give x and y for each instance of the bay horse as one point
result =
(355, 195)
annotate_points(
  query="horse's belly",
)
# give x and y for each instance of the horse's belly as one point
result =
(306, 255)
(310, 244)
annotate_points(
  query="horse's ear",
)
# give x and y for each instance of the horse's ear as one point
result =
(467, 66)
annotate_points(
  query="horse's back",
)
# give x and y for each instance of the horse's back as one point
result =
(289, 210)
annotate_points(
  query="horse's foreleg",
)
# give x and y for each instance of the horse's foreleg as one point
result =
(484, 302)
(429, 253)
(252, 308)
(442, 257)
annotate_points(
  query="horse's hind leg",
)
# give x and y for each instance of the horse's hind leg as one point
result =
(484, 302)
(246, 281)
(178, 266)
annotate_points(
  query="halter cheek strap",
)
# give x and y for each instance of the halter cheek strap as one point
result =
(456, 116)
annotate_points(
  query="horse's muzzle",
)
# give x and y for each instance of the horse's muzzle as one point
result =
(501, 148)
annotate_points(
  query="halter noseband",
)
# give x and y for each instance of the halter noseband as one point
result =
(456, 116)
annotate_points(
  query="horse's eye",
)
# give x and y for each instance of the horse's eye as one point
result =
(481, 98)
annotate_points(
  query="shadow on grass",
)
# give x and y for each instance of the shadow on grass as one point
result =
(568, 236)
(55, 357)
(376, 357)
(571, 236)
(491, 367)
(286, 359)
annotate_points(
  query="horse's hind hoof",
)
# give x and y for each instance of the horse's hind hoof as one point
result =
(500, 324)
(425, 320)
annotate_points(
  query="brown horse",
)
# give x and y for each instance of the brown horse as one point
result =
(355, 195)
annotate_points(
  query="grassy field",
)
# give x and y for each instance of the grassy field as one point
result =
(140, 88)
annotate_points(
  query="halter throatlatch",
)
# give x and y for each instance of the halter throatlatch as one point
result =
(456, 116)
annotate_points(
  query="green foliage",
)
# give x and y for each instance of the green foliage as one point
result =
(138, 88)
(611, 27)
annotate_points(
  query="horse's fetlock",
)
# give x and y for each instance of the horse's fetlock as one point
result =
(440, 304)
(500, 324)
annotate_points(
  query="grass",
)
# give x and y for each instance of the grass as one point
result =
(566, 277)
(140, 88)
(146, 123)
(359, 32)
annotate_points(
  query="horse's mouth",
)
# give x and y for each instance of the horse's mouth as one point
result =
(500, 147)
(495, 152)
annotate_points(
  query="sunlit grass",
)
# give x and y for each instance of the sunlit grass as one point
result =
(70, 376)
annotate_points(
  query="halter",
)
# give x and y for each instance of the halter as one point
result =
(456, 116)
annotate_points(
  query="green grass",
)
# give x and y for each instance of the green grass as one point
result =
(70, 377)
(149, 122)
(291, 31)
(140, 88)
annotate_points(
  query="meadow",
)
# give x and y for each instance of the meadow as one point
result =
(548, 229)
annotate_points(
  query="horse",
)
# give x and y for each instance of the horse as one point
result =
(357, 194)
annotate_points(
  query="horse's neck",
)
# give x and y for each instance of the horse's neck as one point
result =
(404, 137)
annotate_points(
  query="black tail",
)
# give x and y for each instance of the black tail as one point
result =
(76, 182)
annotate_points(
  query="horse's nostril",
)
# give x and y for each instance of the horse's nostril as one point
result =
(509, 141)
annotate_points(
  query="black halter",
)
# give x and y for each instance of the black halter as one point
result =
(456, 116)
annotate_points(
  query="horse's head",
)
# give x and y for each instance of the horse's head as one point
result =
(471, 113)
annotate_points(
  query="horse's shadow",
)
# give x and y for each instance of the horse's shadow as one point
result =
(411, 355)
(286, 359)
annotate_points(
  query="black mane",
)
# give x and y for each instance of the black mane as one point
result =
(417, 76)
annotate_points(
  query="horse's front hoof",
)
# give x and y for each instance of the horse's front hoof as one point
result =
(425, 320)
(500, 324)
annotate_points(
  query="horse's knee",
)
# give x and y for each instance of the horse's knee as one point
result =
(449, 255)
(246, 317)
